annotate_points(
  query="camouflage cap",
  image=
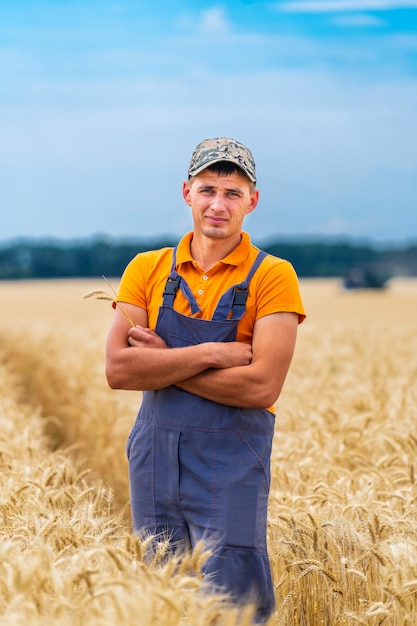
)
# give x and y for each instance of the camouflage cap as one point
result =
(220, 149)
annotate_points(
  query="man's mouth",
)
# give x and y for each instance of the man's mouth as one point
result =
(215, 221)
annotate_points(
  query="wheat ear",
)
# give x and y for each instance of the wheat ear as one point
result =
(100, 294)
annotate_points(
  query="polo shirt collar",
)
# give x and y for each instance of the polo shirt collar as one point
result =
(236, 257)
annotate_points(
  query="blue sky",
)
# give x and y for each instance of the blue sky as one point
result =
(102, 103)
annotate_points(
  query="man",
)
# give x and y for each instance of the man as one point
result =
(215, 329)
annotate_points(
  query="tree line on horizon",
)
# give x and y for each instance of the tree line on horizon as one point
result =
(47, 259)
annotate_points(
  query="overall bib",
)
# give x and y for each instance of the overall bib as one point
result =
(201, 470)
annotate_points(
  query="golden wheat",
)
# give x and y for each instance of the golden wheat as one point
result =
(342, 519)
(100, 294)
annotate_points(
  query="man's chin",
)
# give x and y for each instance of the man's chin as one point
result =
(215, 232)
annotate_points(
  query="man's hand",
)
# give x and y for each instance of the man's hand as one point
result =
(227, 373)
(230, 354)
(139, 336)
(259, 383)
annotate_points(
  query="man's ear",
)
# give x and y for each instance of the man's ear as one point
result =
(186, 192)
(254, 199)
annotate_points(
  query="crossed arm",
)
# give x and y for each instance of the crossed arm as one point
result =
(232, 373)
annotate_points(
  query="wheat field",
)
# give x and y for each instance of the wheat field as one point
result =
(342, 525)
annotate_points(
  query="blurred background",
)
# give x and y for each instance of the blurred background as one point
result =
(103, 101)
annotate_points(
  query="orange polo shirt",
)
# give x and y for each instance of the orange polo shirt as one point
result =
(273, 288)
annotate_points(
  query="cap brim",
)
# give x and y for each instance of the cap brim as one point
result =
(198, 170)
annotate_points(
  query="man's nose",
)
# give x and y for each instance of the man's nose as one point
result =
(217, 201)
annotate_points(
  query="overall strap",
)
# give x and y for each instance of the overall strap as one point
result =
(174, 281)
(234, 300)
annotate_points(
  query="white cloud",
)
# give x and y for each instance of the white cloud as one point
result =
(334, 155)
(359, 19)
(214, 21)
(335, 149)
(335, 6)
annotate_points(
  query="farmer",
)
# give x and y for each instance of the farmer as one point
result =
(215, 328)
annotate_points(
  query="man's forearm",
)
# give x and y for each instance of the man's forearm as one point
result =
(142, 368)
(238, 386)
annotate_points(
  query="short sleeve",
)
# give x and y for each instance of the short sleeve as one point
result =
(278, 289)
(132, 288)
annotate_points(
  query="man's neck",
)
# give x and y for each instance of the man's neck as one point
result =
(206, 251)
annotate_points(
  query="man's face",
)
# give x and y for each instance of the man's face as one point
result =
(219, 203)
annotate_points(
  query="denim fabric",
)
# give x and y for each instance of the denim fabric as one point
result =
(201, 470)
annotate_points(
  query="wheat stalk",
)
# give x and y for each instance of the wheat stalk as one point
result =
(100, 294)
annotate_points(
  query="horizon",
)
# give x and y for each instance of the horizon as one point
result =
(171, 239)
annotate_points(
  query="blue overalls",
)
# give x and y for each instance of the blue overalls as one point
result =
(201, 470)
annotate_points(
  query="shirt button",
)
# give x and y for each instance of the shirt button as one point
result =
(205, 277)
(200, 292)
